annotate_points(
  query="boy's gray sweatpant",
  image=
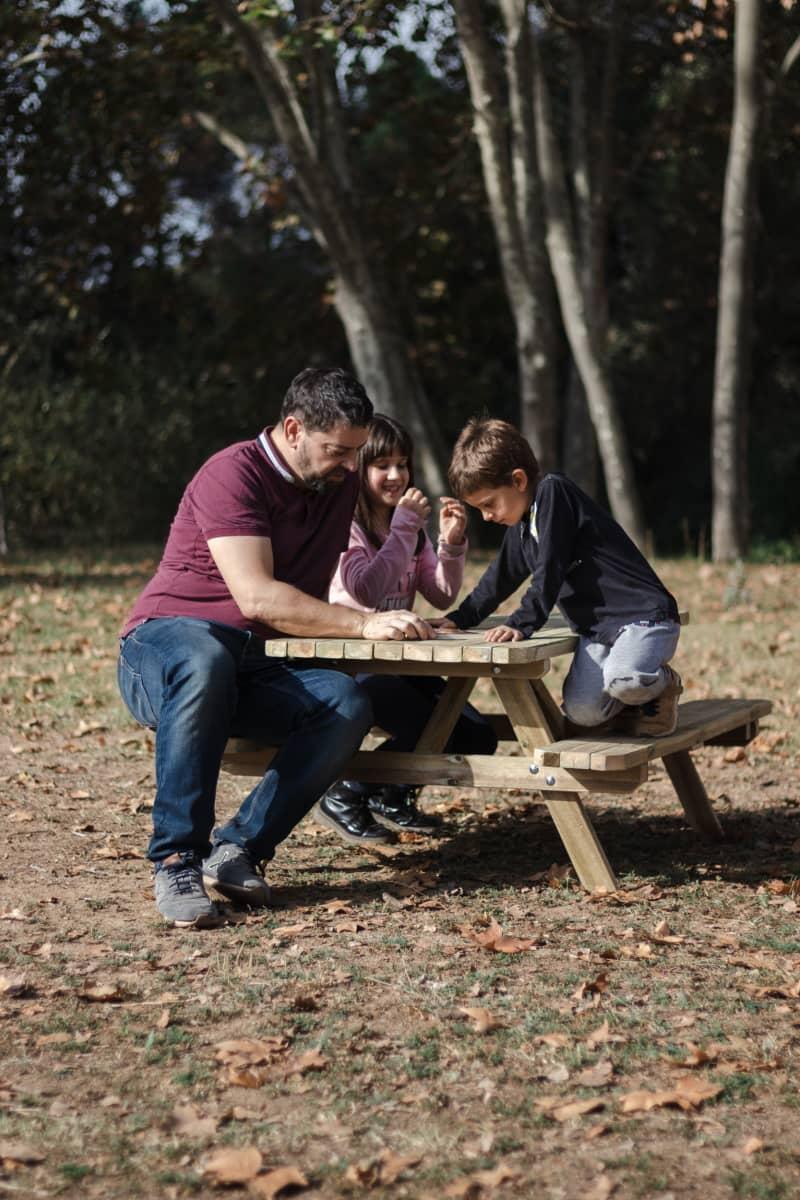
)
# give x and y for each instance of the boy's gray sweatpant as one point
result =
(604, 678)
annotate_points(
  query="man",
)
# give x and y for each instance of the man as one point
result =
(251, 552)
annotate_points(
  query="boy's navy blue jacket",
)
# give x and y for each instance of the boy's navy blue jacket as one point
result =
(578, 558)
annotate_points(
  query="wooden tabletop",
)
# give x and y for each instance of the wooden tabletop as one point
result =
(464, 646)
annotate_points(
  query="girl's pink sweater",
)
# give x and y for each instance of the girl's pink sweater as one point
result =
(374, 580)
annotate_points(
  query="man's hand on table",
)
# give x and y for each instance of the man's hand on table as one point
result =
(397, 626)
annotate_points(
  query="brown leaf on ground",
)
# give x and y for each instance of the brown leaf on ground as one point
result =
(337, 906)
(13, 985)
(689, 1092)
(311, 1060)
(482, 1019)
(13, 1154)
(753, 1145)
(560, 1110)
(553, 1039)
(697, 1057)
(601, 1036)
(494, 939)
(187, 1121)
(601, 1189)
(284, 931)
(392, 1165)
(597, 1076)
(274, 1182)
(233, 1166)
(103, 992)
(349, 926)
(595, 986)
(473, 1186)
(242, 1052)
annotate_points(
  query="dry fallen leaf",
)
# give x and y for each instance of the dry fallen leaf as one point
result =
(103, 992)
(560, 1110)
(186, 1121)
(753, 1145)
(13, 985)
(311, 1060)
(251, 1051)
(494, 939)
(597, 1076)
(233, 1166)
(689, 1092)
(274, 1182)
(482, 1019)
(380, 1171)
(18, 1153)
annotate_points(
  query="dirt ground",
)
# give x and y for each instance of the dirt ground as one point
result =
(454, 1018)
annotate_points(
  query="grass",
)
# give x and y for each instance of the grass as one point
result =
(405, 1068)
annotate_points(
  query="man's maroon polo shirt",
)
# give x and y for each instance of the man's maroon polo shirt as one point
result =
(246, 490)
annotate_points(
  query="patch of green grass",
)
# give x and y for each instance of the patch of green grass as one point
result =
(757, 1184)
(739, 1086)
(74, 1171)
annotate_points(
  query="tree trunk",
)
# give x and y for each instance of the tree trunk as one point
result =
(730, 515)
(614, 454)
(315, 143)
(508, 158)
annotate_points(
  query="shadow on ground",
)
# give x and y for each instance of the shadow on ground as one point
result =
(508, 849)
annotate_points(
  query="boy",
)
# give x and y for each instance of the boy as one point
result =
(581, 560)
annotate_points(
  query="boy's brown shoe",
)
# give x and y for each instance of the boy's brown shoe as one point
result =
(659, 717)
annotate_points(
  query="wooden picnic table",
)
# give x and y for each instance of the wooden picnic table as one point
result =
(563, 771)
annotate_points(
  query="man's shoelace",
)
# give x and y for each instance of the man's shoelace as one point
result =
(183, 879)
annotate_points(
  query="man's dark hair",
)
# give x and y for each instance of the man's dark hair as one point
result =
(326, 396)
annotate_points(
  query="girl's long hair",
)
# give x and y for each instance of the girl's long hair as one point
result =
(385, 437)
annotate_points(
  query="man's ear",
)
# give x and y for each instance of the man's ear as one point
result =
(292, 428)
(519, 479)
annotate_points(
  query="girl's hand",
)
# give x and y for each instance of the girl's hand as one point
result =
(417, 502)
(503, 633)
(452, 521)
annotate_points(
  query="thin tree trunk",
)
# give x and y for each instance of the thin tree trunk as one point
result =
(730, 520)
(612, 443)
(316, 148)
(508, 158)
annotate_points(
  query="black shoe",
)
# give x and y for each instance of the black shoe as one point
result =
(346, 813)
(394, 807)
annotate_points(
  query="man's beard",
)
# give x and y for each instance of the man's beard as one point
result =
(315, 481)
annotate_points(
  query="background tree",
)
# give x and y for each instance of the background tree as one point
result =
(290, 51)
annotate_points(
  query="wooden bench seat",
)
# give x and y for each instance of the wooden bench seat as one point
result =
(700, 722)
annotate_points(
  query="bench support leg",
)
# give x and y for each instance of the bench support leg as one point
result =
(692, 794)
(581, 842)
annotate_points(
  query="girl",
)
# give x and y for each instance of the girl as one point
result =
(389, 559)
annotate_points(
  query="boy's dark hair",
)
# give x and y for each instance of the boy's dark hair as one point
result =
(384, 438)
(326, 396)
(485, 454)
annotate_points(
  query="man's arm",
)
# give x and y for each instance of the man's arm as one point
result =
(246, 565)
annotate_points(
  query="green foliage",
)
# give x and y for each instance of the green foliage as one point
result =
(159, 298)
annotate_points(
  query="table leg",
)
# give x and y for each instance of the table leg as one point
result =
(580, 841)
(442, 720)
(536, 720)
(529, 716)
(692, 794)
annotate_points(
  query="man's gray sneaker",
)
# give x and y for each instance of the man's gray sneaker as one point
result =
(180, 896)
(230, 870)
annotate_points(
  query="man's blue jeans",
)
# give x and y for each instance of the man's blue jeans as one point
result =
(197, 683)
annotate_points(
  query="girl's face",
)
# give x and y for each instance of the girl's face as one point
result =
(387, 479)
